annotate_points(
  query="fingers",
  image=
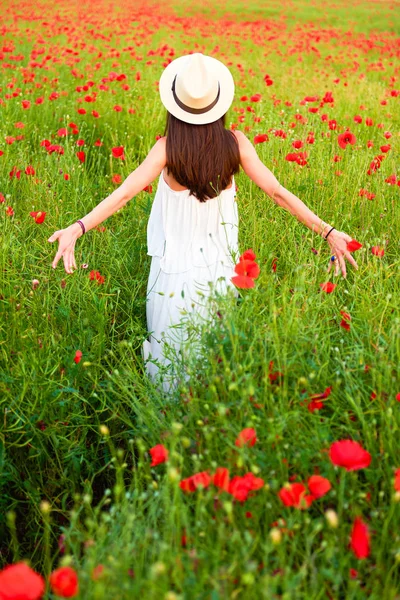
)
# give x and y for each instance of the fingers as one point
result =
(54, 237)
(56, 259)
(342, 263)
(351, 260)
(69, 261)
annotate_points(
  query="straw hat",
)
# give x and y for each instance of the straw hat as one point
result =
(196, 88)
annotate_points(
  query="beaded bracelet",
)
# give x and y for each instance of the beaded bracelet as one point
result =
(82, 226)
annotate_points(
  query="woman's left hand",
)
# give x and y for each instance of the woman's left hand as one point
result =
(338, 243)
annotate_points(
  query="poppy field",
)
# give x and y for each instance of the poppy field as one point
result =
(273, 469)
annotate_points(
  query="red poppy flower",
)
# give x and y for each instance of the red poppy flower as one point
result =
(55, 148)
(248, 255)
(346, 318)
(318, 486)
(295, 494)
(350, 455)
(9, 211)
(95, 275)
(359, 542)
(247, 268)
(159, 454)
(346, 138)
(15, 172)
(240, 487)
(64, 582)
(324, 394)
(315, 405)
(398, 397)
(221, 478)
(97, 572)
(260, 137)
(118, 152)
(20, 581)
(378, 251)
(148, 188)
(242, 282)
(190, 484)
(397, 480)
(247, 437)
(353, 246)
(116, 179)
(273, 376)
(78, 356)
(328, 287)
(39, 216)
(29, 170)
(353, 573)
(247, 271)
(81, 156)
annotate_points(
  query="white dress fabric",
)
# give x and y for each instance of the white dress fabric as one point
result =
(194, 248)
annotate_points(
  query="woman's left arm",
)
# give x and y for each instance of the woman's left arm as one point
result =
(145, 173)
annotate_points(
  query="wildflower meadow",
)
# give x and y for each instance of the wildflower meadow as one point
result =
(273, 469)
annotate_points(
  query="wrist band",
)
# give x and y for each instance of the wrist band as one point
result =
(326, 237)
(82, 226)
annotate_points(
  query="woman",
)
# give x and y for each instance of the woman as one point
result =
(192, 230)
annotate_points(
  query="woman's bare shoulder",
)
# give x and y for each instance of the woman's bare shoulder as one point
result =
(240, 136)
(246, 148)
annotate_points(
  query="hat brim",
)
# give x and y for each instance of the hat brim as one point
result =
(227, 91)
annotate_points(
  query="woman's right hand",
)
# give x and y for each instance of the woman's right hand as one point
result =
(338, 241)
(66, 245)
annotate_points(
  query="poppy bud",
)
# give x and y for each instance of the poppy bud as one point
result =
(332, 518)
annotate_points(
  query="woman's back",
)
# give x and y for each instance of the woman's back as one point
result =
(186, 233)
(202, 159)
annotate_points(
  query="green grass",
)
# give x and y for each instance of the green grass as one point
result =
(108, 504)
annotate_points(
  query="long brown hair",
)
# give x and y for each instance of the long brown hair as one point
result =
(201, 158)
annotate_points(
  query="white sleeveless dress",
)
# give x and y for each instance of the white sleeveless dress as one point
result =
(191, 243)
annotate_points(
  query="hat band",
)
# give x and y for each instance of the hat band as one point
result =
(189, 109)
